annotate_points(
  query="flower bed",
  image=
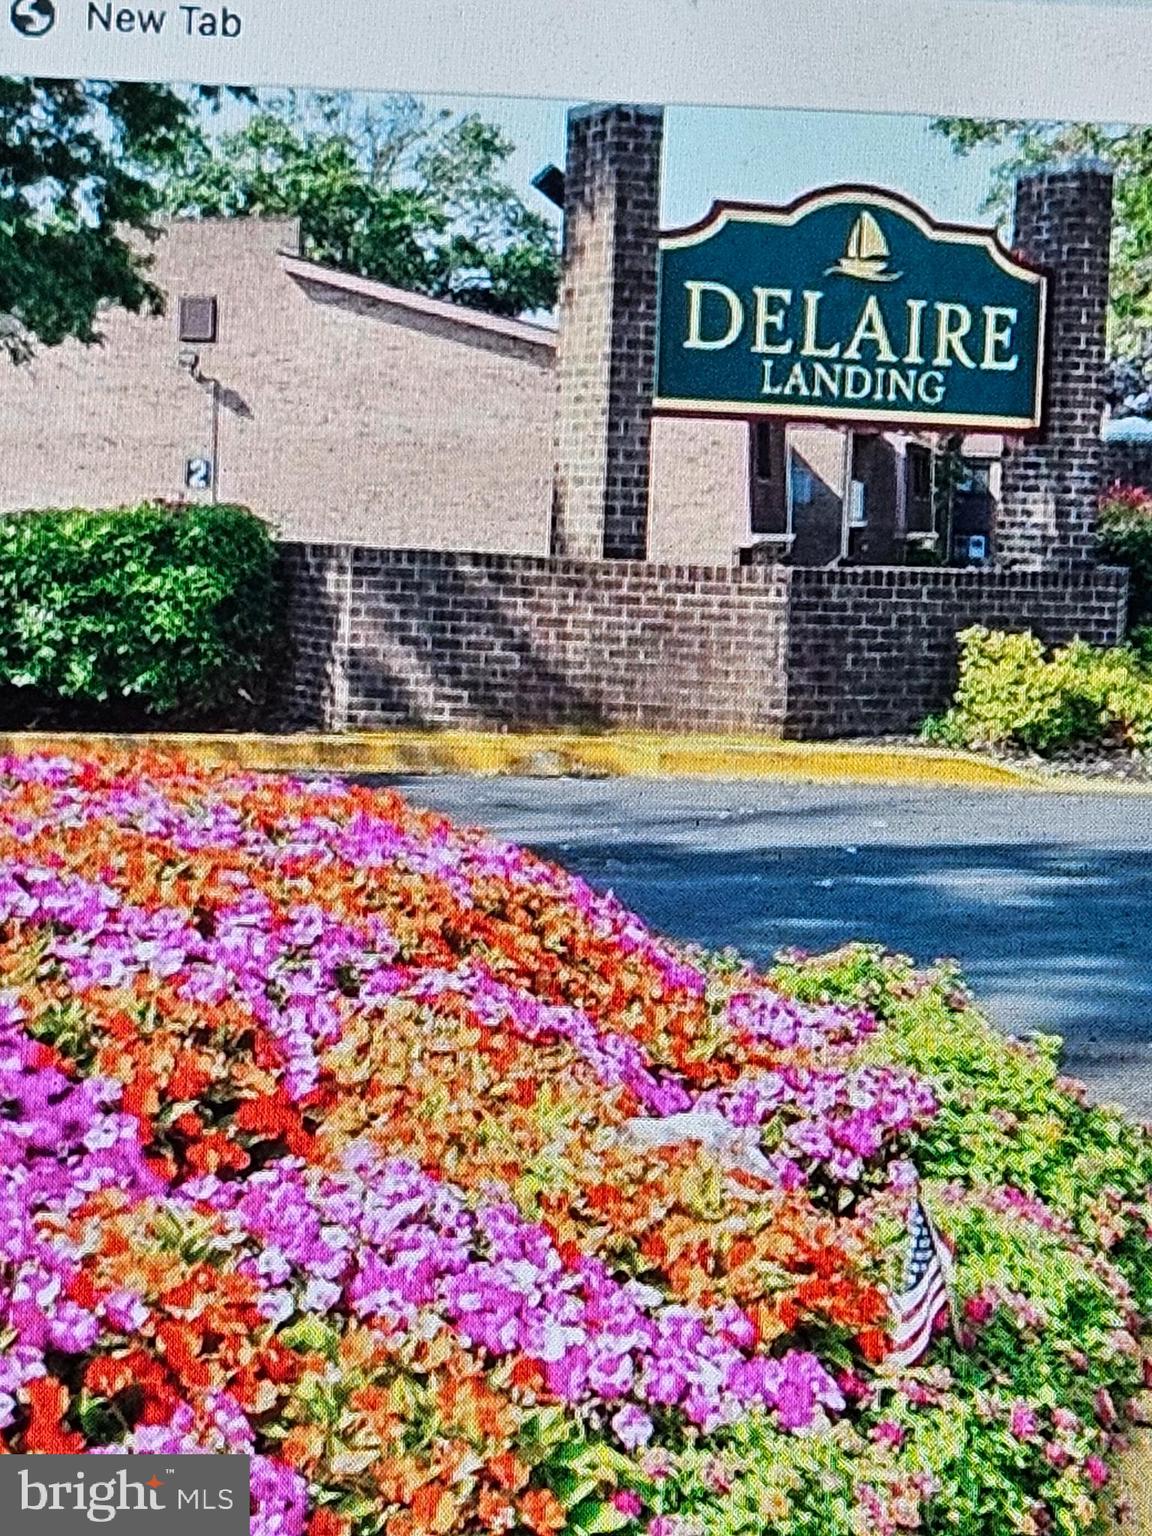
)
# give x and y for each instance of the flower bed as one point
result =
(428, 1176)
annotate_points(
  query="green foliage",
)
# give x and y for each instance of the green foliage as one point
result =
(78, 160)
(159, 608)
(1124, 537)
(1012, 693)
(1034, 1185)
(1006, 1115)
(391, 189)
(1127, 149)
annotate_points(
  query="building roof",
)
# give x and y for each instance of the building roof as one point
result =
(419, 304)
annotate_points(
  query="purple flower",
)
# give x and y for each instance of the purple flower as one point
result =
(632, 1427)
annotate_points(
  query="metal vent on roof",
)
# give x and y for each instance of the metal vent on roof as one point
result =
(197, 319)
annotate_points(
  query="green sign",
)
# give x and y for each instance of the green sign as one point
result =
(850, 305)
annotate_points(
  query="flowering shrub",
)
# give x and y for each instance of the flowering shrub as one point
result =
(1124, 537)
(413, 1167)
(1012, 693)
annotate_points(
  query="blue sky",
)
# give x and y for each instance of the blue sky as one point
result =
(766, 156)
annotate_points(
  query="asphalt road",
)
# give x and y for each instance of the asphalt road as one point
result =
(1046, 900)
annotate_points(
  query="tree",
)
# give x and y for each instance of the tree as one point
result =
(385, 187)
(1128, 150)
(78, 167)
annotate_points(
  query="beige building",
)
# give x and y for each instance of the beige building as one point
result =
(342, 409)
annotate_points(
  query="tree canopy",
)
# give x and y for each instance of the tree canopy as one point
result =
(1128, 150)
(77, 166)
(386, 187)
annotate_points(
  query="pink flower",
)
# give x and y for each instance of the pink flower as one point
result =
(1097, 1472)
(1022, 1421)
(717, 1476)
(978, 1309)
(902, 1175)
(916, 1392)
(887, 1432)
(627, 1502)
(1105, 1408)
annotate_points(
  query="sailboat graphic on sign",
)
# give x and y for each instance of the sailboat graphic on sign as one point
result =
(866, 254)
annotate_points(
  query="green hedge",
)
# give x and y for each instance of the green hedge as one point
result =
(134, 613)
(1013, 693)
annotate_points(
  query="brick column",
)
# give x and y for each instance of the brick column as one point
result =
(607, 345)
(1051, 486)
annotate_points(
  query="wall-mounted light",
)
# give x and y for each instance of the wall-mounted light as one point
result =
(550, 184)
(198, 318)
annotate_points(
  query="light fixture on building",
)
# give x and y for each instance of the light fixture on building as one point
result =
(198, 318)
(550, 184)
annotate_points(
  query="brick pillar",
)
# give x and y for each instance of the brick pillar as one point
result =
(607, 345)
(1051, 486)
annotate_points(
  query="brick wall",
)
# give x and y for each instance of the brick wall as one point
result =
(873, 650)
(316, 587)
(1130, 463)
(501, 642)
(1052, 482)
(415, 637)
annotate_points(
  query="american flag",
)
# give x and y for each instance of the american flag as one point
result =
(926, 1291)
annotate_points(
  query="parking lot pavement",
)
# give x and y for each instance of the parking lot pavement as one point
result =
(1045, 899)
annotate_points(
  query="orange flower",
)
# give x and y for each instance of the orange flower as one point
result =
(874, 1344)
(528, 1374)
(543, 1511)
(48, 1402)
(507, 1471)
(326, 1522)
(272, 1115)
(216, 1153)
(494, 1510)
(434, 1508)
(189, 1077)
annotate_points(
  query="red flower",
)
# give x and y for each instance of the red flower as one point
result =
(48, 1402)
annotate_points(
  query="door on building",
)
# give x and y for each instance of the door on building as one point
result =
(873, 501)
(809, 485)
(768, 473)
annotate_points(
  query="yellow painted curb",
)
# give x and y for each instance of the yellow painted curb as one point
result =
(551, 754)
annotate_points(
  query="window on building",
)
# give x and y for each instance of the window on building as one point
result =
(976, 479)
(768, 480)
(765, 450)
(802, 487)
(919, 471)
(857, 504)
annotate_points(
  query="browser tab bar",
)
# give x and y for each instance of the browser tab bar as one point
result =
(1003, 58)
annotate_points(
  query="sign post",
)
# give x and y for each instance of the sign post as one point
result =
(850, 305)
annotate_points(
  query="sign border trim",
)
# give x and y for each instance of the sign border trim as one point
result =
(724, 211)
